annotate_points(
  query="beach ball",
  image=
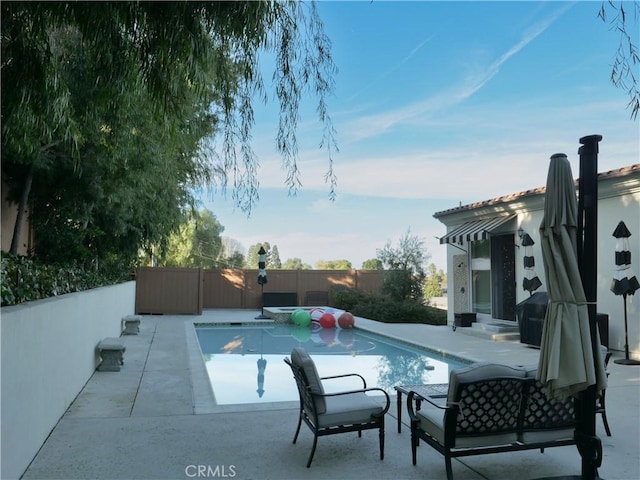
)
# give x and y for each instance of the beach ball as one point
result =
(316, 313)
(303, 318)
(294, 316)
(327, 320)
(346, 320)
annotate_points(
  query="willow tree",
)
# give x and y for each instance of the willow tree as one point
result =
(174, 70)
(623, 18)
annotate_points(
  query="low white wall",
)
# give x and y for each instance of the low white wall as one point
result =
(48, 355)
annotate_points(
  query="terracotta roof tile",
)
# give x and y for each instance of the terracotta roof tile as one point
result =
(619, 172)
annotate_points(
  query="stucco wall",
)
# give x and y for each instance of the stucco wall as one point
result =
(48, 355)
(611, 210)
(619, 199)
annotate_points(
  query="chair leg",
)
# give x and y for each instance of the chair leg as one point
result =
(295, 437)
(603, 411)
(414, 445)
(606, 423)
(447, 464)
(313, 450)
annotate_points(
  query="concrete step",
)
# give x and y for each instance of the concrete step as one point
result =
(496, 330)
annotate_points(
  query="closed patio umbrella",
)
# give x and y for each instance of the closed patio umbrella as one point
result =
(570, 362)
(566, 363)
(262, 277)
(624, 283)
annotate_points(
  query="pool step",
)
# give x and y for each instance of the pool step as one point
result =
(496, 330)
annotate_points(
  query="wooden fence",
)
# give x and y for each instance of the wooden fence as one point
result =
(190, 290)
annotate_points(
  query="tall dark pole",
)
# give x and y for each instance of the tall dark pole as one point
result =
(262, 277)
(589, 445)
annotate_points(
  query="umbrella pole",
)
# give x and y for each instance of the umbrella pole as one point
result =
(262, 316)
(626, 360)
(588, 443)
(626, 328)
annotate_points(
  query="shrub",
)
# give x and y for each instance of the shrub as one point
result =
(23, 280)
(385, 309)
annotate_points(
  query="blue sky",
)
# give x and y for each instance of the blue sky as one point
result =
(436, 104)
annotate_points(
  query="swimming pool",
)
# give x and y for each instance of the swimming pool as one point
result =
(245, 363)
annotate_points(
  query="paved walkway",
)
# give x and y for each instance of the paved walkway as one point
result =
(156, 419)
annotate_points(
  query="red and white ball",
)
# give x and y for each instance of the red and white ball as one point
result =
(346, 320)
(327, 320)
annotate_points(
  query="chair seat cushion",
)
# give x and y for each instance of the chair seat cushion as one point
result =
(431, 421)
(545, 436)
(349, 409)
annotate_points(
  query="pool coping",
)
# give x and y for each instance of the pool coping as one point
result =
(203, 395)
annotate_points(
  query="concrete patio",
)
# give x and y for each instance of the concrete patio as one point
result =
(156, 419)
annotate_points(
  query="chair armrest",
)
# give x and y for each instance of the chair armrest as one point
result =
(362, 390)
(411, 397)
(364, 382)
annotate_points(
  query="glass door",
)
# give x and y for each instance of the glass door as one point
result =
(481, 276)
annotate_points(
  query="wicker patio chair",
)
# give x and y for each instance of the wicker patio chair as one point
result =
(333, 413)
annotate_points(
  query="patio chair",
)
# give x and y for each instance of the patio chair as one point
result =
(339, 412)
(600, 400)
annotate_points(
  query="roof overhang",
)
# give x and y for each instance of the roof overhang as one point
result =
(475, 230)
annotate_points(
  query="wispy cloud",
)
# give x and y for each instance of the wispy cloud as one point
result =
(385, 74)
(452, 169)
(492, 70)
(372, 125)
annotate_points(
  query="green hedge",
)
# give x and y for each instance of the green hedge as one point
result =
(23, 280)
(387, 310)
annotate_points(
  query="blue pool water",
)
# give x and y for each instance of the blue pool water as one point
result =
(245, 363)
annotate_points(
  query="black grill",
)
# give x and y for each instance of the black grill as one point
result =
(530, 314)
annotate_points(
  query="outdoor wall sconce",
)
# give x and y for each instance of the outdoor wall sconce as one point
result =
(520, 232)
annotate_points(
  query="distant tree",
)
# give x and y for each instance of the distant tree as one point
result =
(434, 281)
(232, 255)
(208, 243)
(274, 259)
(295, 264)
(236, 260)
(333, 265)
(405, 263)
(372, 264)
(197, 243)
(252, 255)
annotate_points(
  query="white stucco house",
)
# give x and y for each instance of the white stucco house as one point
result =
(485, 255)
